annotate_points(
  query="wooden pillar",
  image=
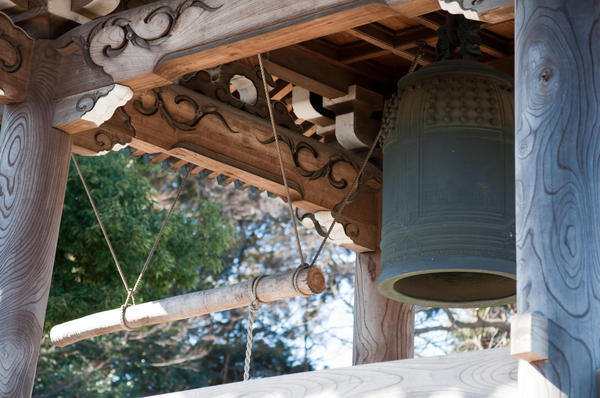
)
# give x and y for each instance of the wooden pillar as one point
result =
(558, 195)
(34, 162)
(383, 328)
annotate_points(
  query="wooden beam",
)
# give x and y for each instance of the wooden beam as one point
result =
(269, 288)
(34, 164)
(402, 40)
(383, 38)
(16, 49)
(557, 192)
(155, 44)
(319, 75)
(488, 373)
(383, 328)
(230, 141)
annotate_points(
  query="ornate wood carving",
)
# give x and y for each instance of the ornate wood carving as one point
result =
(321, 222)
(217, 83)
(34, 163)
(557, 190)
(383, 328)
(227, 140)
(199, 113)
(169, 39)
(90, 109)
(99, 142)
(15, 53)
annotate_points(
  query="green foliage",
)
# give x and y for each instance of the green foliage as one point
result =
(200, 247)
(85, 279)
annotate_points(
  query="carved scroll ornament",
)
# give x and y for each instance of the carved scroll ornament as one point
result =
(10, 66)
(159, 105)
(217, 83)
(153, 20)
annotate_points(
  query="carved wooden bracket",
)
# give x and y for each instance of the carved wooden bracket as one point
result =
(477, 10)
(89, 110)
(321, 221)
(309, 106)
(354, 126)
(171, 38)
(227, 140)
(99, 142)
(241, 86)
(16, 48)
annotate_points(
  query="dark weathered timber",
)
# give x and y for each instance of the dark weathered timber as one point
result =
(383, 328)
(34, 161)
(558, 191)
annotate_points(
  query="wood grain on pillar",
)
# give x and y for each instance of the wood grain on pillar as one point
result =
(558, 191)
(383, 328)
(34, 161)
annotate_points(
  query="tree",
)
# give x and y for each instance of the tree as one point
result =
(195, 253)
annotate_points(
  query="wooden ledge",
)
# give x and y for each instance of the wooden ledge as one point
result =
(489, 373)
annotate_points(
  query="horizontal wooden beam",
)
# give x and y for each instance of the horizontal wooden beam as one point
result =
(16, 49)
(224, 139)
(488, 373)
(155, 44)
(401, 41)
(328, 78)
(381, 37)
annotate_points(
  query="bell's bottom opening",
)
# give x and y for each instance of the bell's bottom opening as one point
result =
(464, 289)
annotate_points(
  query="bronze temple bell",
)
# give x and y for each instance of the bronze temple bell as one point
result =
(448, 188)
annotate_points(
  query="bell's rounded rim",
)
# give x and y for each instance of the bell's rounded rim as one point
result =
(386, 288)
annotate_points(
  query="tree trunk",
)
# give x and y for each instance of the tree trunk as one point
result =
(383, 328)
(34, 163)
(558, 192)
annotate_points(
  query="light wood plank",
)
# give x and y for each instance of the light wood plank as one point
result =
(490, 374)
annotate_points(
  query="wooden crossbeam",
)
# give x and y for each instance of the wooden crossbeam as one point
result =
(403, 40)
(232, 142)
(147, 52)
(381, 37)
(488, 373)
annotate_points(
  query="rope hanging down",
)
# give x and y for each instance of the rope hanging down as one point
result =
(130, 292)
(253, 308)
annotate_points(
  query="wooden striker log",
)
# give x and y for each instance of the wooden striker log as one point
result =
(270, 288)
